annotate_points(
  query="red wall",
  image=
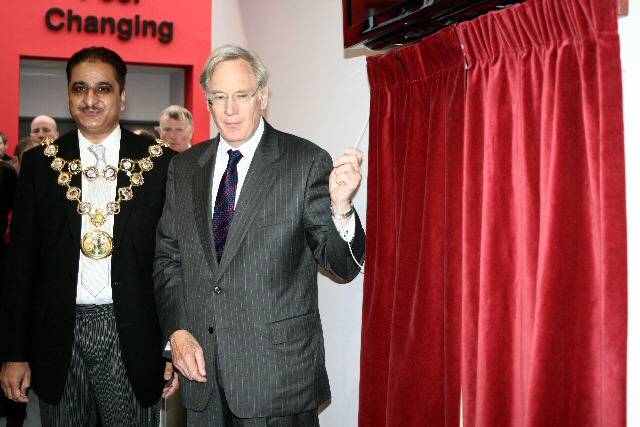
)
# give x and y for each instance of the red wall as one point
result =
(24, 33)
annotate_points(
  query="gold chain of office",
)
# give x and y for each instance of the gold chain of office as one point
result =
(98, 244)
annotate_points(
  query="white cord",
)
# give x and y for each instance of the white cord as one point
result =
(364, 128)
(343, 230)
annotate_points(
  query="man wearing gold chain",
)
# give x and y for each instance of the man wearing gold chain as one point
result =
(78, 317)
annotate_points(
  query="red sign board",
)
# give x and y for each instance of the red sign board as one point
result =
(143, 32)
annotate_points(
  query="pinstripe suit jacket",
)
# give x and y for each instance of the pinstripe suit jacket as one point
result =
(256, 312)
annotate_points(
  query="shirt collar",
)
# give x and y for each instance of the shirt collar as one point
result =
(248, 148)
(111, 143)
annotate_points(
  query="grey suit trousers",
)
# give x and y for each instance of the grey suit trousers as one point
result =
(217, 414)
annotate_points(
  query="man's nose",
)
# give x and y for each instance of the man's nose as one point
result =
(230, 106)
(90, 98)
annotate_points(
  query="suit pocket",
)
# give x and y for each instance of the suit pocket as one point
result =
(293, 328)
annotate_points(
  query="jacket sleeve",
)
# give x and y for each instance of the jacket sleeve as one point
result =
(18, 280)
(329, 249)
(167, 270)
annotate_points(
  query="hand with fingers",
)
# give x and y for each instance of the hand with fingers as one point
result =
(345, 179)
(188, 356)
(15, 378)
(171, 378)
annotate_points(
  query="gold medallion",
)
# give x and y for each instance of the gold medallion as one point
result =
(98, 218)
(96, 244)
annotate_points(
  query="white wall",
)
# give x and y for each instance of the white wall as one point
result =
(629, 36)
(319, 95)
(43, 89)
(154, 89)
(228, 28)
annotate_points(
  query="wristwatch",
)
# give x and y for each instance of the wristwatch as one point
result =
(345, 215)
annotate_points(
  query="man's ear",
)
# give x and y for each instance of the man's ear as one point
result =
(123, 99)
(264, 97)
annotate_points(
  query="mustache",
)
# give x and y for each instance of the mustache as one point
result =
(90, 109)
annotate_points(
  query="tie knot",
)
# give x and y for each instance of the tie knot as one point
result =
(98, 152)
(234, 156)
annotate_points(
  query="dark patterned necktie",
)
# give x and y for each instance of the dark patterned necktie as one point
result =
(225, 202)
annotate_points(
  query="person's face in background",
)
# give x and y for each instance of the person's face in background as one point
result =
(177, 133)
(23, 146)
(3, 147)
(43, 127)
(95, 99)
(236, 121)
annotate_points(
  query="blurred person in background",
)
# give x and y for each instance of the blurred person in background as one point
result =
(4, 144)
(176, 127)
(25, 144)
(42, 127)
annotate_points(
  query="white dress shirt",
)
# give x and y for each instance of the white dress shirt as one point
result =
(101, 268)
(248, 149)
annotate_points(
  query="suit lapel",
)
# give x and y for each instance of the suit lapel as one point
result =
(135, 151)
(202, 184)
(69, 149)
(259, 178)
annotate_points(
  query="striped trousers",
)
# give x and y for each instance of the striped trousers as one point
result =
(97, 385)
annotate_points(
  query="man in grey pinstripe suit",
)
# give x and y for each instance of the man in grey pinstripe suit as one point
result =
(239, 301)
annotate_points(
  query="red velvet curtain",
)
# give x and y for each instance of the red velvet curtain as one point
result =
(411, 320)
(521, 306)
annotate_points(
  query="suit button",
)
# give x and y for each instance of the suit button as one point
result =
(217, 290)
(210, 330)
(116, 284)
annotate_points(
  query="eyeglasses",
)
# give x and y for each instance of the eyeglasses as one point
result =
(220, 99)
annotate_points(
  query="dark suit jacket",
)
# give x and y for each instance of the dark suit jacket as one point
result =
(256, 312)
(37, 316)
(8, 179)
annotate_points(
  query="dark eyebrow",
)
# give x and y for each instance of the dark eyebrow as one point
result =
(101, 83)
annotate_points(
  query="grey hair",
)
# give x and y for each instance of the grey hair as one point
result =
(229, 53)
(178, 112)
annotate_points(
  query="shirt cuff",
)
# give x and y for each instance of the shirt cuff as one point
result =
(348, 230)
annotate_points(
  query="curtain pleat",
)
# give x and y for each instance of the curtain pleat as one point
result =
(411, 316)
(496, 234)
